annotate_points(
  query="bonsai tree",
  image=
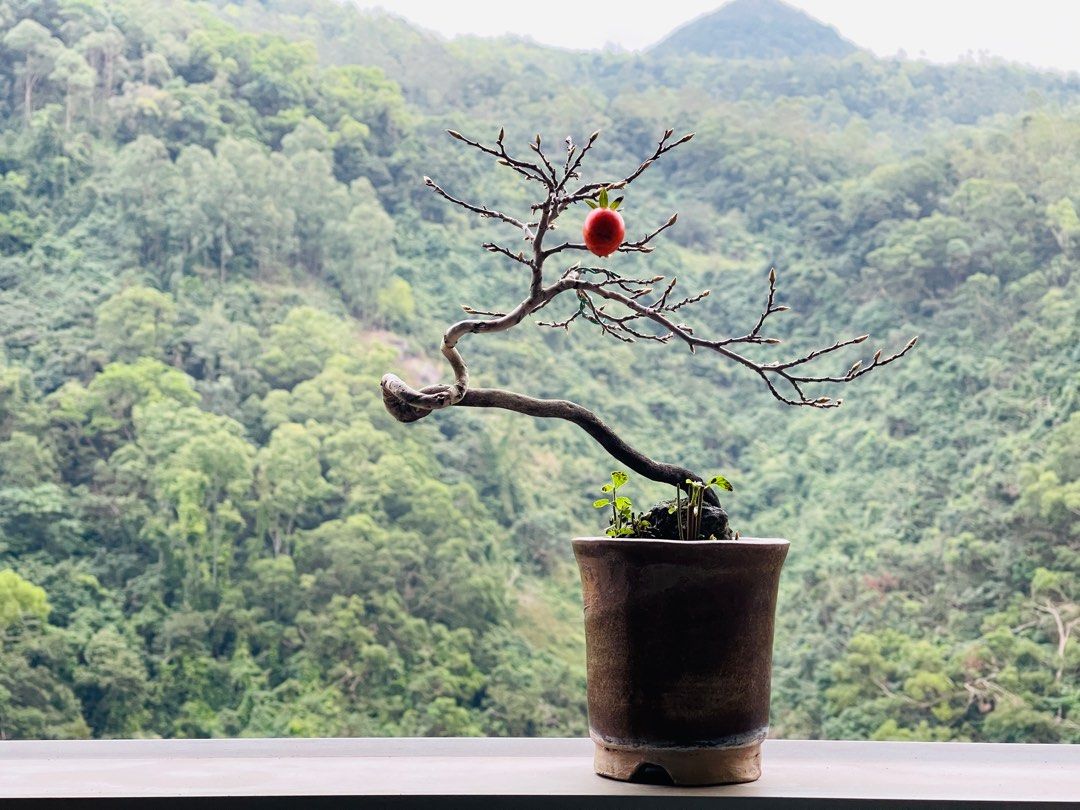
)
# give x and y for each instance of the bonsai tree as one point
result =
(624, 308)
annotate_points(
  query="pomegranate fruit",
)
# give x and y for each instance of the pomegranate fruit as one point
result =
(604, 229)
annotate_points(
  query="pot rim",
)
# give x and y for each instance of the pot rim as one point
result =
(742, 541)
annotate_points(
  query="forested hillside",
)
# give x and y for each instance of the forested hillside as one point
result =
(755, 29)
(214, 239)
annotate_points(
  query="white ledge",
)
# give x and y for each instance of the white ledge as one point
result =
(324, 773)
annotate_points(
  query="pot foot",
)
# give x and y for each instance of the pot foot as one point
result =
(679, 766)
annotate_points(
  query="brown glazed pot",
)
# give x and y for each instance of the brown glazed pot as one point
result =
(678, 640)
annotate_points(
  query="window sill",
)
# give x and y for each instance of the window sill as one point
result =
(395, 772)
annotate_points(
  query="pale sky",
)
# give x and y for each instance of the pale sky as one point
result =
(1044, 33)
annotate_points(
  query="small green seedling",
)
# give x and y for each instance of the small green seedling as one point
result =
(689, 516)
(624, 523)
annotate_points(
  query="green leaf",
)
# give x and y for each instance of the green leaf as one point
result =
(591, 204)
(601, 503)
(616, 203)
(720, 481)
(603, 198)
(623, 504)
(619, 478)
(607, 488)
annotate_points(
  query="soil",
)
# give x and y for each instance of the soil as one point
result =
(665, 526)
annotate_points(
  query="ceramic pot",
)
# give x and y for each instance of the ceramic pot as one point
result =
(678, 642)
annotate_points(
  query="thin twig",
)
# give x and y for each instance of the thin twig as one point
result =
(482, 210)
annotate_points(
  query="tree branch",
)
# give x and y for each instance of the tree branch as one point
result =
(785, 380)
(592, 424)
(491, 247)
(664, 146)
(529, 170)
(482, 210)
(768, 372)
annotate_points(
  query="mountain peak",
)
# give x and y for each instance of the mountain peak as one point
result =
(756, 29)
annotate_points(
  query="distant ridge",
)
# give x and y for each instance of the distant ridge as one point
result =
(755, 29)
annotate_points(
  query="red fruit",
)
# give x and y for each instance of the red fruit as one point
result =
(604, 231)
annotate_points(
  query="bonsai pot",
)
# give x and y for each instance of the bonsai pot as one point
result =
(678, 638)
